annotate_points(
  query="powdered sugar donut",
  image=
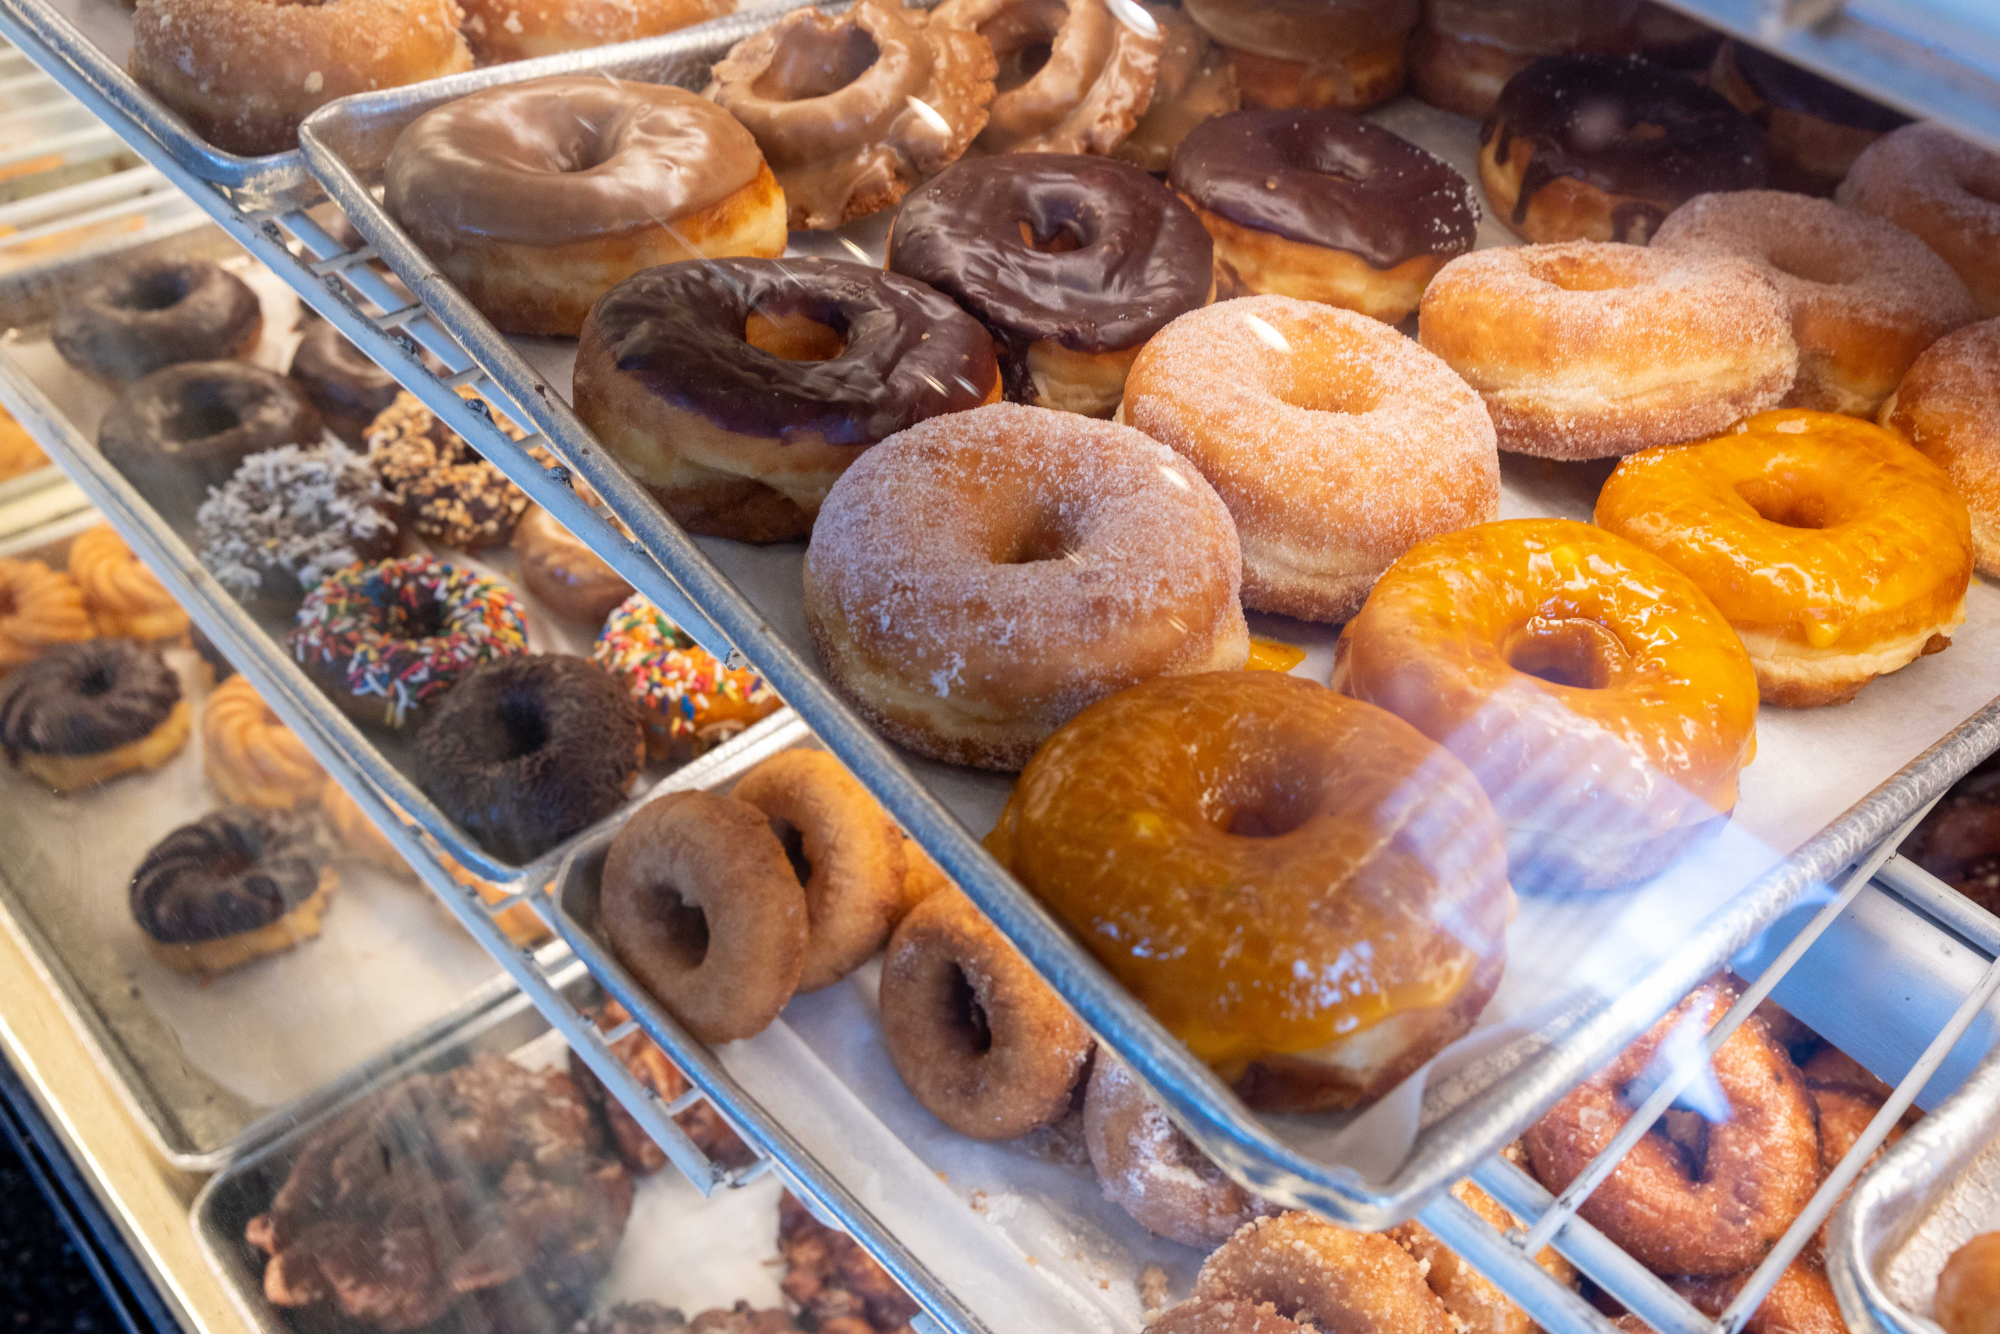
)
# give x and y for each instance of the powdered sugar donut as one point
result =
(1154, 1172)
(1927, 180)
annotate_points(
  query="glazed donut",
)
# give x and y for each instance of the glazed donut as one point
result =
(1836, 552)
(1588, 351)
(1540, 650)
(536, 198)
(1478, 1306)
(86, 713)
(1099, 66)
(290, 517)
(1715, 1217)
(982, 1042)
(18, 451)
(499, 31)
(1196, 81)
(1334, 1279)
(1465, 51)
(1324, 207)
(1602, 148)
(852, 110)
(1948, 406)
(1071, 263)
(1800, 1302)
(975, 580)
(1334, 456)
(1154, 1172)
(741, 435)
(1968, 1289)
(39, 609)
(124, 598)
(156, 312)
(701, 907)
(244, 75)
(1865, 296)
(1813, 129)
(1149, 825)
(183, 429)
(847, 850)
(250, 756)
(1927, 180)
(230, 888)
(690, 702)
(444, 490)
(349, 390)
(563, 573)
(1311, 53)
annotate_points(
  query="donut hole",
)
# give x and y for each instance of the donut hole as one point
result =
(158, 289)
(811, 62)
(1268, 798)
(794, 844)
(683, 929)
(1023, 63)
(423, 618)
(966, 1026)
(1833, 268)
(793, 337)
(1775, 502)
(1351, 394)
(1570, 651)
(523, 729)
(1033, 543)
(94, 683)
(1579, 273)
(1065, 238)
(203, 413)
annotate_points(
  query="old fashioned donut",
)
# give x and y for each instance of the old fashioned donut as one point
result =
(502, 30)
(39, 609)
(690, 702)
(853, 110)
(1153, 1171)
(1336, 442)
(1095, 80)
(741, 434)
(1586, 351)
(156, 312)
(1208, 840)
(1865, 296)
(1968, 1289)
(701, 907)
(1927, 180)
(124, 598)
(1948, 406)
(349, 390)
(1718, 1216)
(1471, 1297)
(1813, 128)
(230, 888)
(85, 713)
(982, 1042)
(288, 517)
(244, 75)
(1836, 552)
(562, 572)
(975, 580)
(536, 198)
(1540, 649)
(1464, 51)
(1311, 53)
(184, 428)
(444, 490)
(250, 756)
(1196, 81)
(1333, 1279)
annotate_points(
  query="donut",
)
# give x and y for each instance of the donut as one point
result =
(846, 849)
(741, 435)
(978, 1037)
(564, 574)
(1668, 37)
(1602, 148)
(1473, 1300)
(1835, 551)
(1311, 53)
(182, 429)
(387, 640)
(1814, 129)
(1716, 1213)
(853, 110)
(1071, 263)
(39, 609)
(1208, 842)
(1845, 1099)
(1588, 351)
(124, 598)
(975, 580)
(86, 713)
(250, 756)
(444, 490)
(1098, 66)
(151, 313)
(523, 751)
(1334, 455)
(349, 390)
(690, 703)
(1154, 1172)
(288, 518)
(19, 454)
(1928, 181)
(230, 888)
(1464, 51)
(1323, 206)
(1948, 406)
(1333, 1279)
(1968, 1288)
(700, 905)
(1199, 1315)
(538, 197)
(1196, 81)
(1534, 649)
(1800, 1302)
(499, 31)
(922, 877)
(1865, 296)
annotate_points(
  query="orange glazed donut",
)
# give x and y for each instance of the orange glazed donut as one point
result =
(1837, 552)
(1585, 350)
(1927, 180)
(39, 608)
(1948, 406)
(1336, 442)
(122, 595)
(504, 30)
(251, 757)
(1865, 296)
(1592, 687)
(1311, 53)
(1093, 85)
(975, 580)
(1254, 857)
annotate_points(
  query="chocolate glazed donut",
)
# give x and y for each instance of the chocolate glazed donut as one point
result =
(230, 871)
(155, 313)
(186, 428)
(83, 699)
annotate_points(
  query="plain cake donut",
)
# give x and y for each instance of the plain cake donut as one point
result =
(1948, 406)
(1927, 180)
(156, 312)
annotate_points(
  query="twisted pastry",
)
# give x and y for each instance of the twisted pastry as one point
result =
(121, 594)
(251, 757)
(39, 608)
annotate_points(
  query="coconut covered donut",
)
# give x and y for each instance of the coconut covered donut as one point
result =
(1090, 91)
(1948, 406)
(1927, 180)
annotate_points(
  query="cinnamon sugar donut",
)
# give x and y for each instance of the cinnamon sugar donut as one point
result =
(1202, 1315)
(1968, 1288)
(504, 30)
(252, 758)
(982, 1042)
(1091, 89)
(1312, 53)
(1865, 296)
(1927, 180)
(1948, 406)
(1471, 1297)
(123, 597)
(39, 609)
(1334, 1279)
(1800, 1302)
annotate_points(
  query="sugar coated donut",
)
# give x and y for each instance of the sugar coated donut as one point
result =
(504, 30)
(1312, 53)
(1813, 128)
(1927, 180)
(536, 198)
(1713, 1217)
(701, 907)
(564, 573)
(1201, 1315)
(1968, 1290)
(981, 1041)
(1865, 296)
(1800, 1302)
(1465, 51)
(124, 598)
(39, 609)
(1837, 552)
(1542, 650)
(1948, 406)
(1471, 1297)
(1211, 841)
(1336, 442)
(1095, 80)
(156, 312)
(975, 580)
(1333, 1279)
(252, 758)
(1586, 351)
(691, 702)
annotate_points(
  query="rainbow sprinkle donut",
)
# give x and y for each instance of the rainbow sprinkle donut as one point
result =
(692, 702)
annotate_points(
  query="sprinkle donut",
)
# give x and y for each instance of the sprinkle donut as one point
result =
(1153, 1171)
(691, 702)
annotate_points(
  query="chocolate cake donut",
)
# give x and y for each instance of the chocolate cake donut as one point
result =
(82, 713)
(234, 885)
(185, 428)
(154, 313)
(349, 390)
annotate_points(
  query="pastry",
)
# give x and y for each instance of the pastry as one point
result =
(230, 888)
(502, 30)
(1073, 76)
(151, 313)
(251, 757)
(1968, 1290)
(349, 390)
(39, 609)
(703, 1125)
(444, 490)
(1946, 190)
(1948, 406)
(690, 702)
(1814, 129)
(19, 454)
(1311, 53)
(181, 430)
(1196, 81)
(564, 574)
(290, 517)
(86, 713)
(124, 598)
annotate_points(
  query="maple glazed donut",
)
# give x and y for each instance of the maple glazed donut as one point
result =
(1813, 129)
(1928, 181)
(1099, 67)
(977, 579)
(536, 198)
(1464, 51)
(504, 30)
(1538, 649)
(1585, 350)
(1196, 82)
(1278, 904)
(1311, 53)
(1336, 442)
(741, 434)
(1836, 551)
(1948, 406)
(1152, 1170)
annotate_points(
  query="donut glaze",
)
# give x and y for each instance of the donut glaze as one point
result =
(229, 872)
(154, 313)
(1090, 91)
(349, 390)
(180, 430)
(84, 713)
(1948, 406)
